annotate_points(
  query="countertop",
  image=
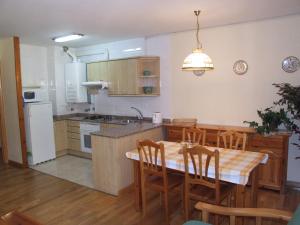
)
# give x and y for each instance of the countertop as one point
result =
(113, 132)
(73, 116)
(126, 130)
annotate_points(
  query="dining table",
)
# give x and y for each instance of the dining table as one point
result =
(235, 166)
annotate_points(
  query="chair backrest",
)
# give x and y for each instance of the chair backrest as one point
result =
(152, 158)
(200, 158)
(185, 121)
(258, 213)
(194, 135)
(231, 139)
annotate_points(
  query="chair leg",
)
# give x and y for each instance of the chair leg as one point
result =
(160, 198)
(186, 207)
(143, 198)
(166, 200)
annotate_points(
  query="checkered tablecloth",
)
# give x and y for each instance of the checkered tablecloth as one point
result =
(235, 165)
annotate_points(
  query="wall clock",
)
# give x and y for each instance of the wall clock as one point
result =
(290, 64)
(240, 67)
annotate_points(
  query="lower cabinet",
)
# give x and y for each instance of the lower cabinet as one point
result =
(60, 136)
(73, 133)
(273, 174)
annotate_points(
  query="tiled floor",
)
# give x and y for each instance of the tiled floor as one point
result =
(71, 168)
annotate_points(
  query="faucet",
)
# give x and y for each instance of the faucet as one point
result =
(140, 114)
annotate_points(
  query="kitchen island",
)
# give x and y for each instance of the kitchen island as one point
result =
(112, 171)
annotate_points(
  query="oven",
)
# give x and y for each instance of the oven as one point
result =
(85, 135)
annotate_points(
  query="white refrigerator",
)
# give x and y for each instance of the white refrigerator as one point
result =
(39, 132)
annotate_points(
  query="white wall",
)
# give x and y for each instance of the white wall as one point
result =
(34, 68)
(222, 97)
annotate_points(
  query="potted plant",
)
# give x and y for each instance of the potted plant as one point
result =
(290, 98)
(271, 120)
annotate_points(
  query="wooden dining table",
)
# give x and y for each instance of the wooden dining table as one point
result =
(235, 166)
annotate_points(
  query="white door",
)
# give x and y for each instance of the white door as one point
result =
(42, 132)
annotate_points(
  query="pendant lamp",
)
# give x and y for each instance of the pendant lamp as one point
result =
(197, 62)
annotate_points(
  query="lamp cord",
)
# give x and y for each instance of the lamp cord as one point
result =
(199, 45)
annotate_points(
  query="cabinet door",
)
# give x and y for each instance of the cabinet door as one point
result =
(92, 71)
(97, 71)
(60, 135)
(123, 77)
(131, 81)
(103, 71)
(117, 76)
(270, 174)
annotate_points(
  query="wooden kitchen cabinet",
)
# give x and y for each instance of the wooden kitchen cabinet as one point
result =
(97, 71)
(118, 73)
(273, 174)
(73, 134)
(126, 76)
(60, 136)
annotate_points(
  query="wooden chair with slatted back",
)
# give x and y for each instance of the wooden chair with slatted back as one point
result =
(198, 186)
(231, 139)
(154, 174)
(194, 135)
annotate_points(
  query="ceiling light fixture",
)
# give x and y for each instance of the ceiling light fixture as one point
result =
(132, 49)
(198, 62)
(66, 38)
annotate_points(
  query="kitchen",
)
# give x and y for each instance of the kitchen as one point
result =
(89, 103)
(84, 82)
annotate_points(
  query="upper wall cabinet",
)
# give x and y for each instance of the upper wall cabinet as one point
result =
(97, 71)
(128, 77)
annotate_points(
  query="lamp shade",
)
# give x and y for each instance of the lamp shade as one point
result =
(197, 61)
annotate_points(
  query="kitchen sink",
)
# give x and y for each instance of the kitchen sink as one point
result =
(109, 119)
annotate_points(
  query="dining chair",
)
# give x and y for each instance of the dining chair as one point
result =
(232, 139)
(194, 135)
(198, 186)
(153, 173)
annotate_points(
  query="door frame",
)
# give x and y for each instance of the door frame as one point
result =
(2, 124)
(20, 99)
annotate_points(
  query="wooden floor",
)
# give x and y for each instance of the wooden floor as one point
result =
(54, 201)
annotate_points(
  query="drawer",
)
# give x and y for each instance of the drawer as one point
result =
(73, 123)
(73, 129)
(276, 151)
(74, 135)
(74, 144)
(267, 142)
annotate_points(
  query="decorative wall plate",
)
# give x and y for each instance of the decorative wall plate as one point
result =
(240, 67)
(290, 64)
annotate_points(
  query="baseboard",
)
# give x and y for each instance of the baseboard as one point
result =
(293, 184)
(80, 154)
(16, 164)
(61, 153)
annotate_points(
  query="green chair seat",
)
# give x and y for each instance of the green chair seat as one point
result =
(195, 222)
(296, 217)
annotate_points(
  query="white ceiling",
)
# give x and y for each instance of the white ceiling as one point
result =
(37, 21)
